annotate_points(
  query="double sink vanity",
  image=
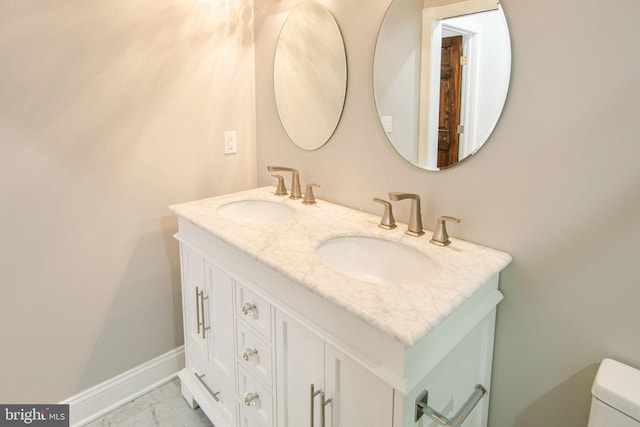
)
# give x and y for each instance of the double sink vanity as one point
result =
(312, 315)
(303, 313)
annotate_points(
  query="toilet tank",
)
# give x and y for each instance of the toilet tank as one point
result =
(616, 396)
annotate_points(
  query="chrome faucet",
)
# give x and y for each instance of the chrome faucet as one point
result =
(295, 180)
(415, 217)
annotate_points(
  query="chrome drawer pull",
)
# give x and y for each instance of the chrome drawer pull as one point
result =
(252, 399)
(250, 310)
(422, 408)
(250, 355)
(323, 403)
(312, 398)
(211, 392)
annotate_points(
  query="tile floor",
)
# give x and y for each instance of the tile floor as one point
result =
(163, 407)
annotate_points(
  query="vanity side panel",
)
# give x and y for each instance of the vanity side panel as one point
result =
(453, 379)
(431, 349)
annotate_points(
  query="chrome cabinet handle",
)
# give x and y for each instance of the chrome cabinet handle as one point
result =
(250, 310)
(422, 408)
(252, 399)
(200, 297)
(250, 355)
(323, 403)
(213, 394)
(198, 324)
(312, 397)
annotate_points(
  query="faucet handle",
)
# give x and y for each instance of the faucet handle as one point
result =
(440, 236)
(309, 198)
(281, 190)
(387, 221)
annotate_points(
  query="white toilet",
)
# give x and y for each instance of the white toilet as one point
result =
(616, 396)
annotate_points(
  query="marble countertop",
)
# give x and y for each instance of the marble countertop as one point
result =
(406, 312)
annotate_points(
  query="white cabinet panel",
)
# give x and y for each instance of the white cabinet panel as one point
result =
(453, 379)
(359, 398)
(354, 396)
(220, 319)
(193, 292)
(248, 420)
(299, 364)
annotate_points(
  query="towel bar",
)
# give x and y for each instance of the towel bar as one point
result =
(422, 408)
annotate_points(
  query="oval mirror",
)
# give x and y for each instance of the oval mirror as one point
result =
(310, 75)
(441, 76)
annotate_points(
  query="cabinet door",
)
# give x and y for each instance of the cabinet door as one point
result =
(359, 398)
(194, 301)
(299, 364)
(220, 321)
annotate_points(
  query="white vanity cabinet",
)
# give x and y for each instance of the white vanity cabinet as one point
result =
(274, 339)
(232, 332)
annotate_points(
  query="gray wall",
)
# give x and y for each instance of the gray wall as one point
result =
(557, 186)
(109, 112)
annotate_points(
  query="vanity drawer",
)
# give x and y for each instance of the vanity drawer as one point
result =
(256, 400)
(255, 310)
(254, 354)
(248, 420)
(217, 391)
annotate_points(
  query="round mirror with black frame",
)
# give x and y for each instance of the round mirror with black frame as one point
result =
(310, 75)
(441, 76)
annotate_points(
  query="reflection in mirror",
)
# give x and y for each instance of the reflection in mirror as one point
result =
(310, 75)
(441, 76)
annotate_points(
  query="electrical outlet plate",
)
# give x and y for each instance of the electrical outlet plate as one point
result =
(230, 144)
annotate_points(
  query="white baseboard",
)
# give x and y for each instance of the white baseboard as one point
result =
(117, 391)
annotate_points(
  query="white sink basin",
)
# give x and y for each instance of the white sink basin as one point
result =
(376, 260)
(256, 211)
